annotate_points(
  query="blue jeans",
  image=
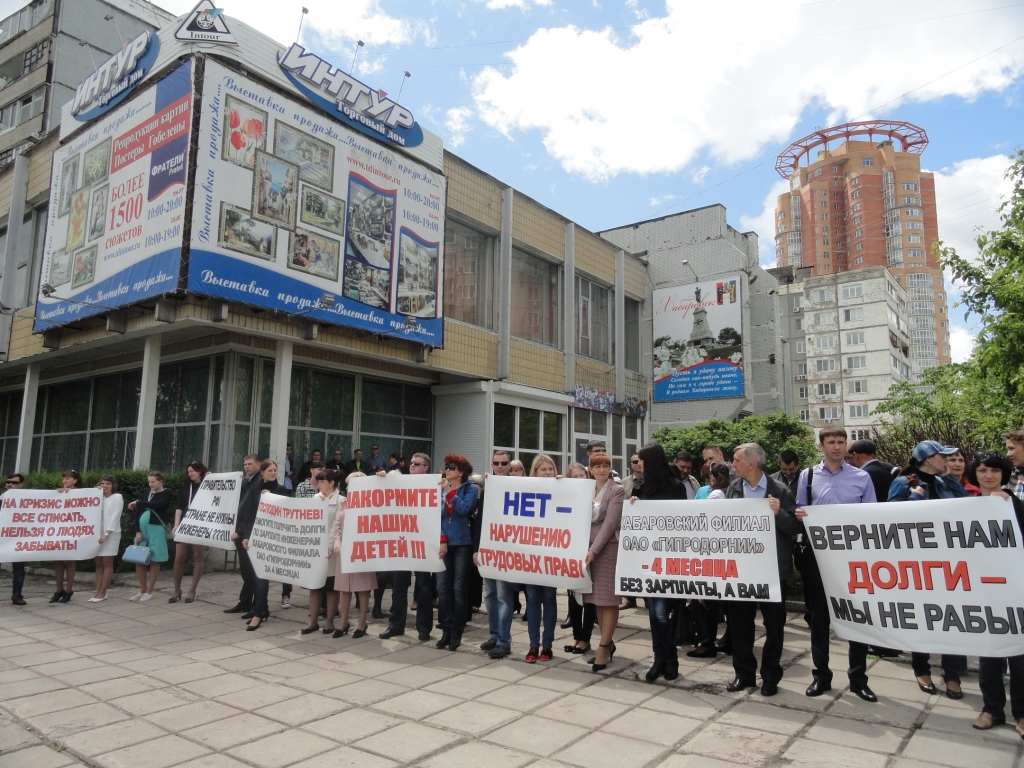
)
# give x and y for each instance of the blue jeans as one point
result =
(19, 581)
(453, 590)
(536, 599)
(498, 602)
(659, 610)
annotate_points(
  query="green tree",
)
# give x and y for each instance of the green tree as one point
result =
(773, 431)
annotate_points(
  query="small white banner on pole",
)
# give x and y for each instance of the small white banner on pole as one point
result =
(536, 530)
(210, 519)
(937, 576)
(392, 524)
(290, 539)
(47, 525)
(720, 549)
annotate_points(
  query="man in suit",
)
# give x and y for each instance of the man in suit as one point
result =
(305, 471)
(357, 464)
(248, 504)
(752, 483)
(684, 463)
(861, 453)
(789, 470)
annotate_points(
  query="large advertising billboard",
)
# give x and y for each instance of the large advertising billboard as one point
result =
(698, 341)
(117, 201)
(294, 212)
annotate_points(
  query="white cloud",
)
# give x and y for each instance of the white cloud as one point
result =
(337, 23)
(698, 176)
(522, 5)
(661, 200)
(729, 78)
(457, 123)
(961, 343)
(764, 223)
(967, 196)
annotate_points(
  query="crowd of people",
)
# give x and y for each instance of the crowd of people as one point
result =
(849, 473)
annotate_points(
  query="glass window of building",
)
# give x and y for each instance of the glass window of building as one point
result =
(182, 414)
(631, 326)
(535, 311)
(525, 432)
(468, 275)
(593, 321)
(395, 417)
(321, 413)
(10, 421)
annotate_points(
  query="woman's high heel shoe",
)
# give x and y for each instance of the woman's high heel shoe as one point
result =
(595, 667)
(340, 632)
(310, 629)
(254, 627)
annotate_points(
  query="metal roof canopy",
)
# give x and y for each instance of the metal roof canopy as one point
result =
(912, 138)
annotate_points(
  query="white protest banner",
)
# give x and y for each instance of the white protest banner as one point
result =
(392, 524)
(536, 530)
(290, 540)
(721, 549)
(210, 519)
(940, 576)
(47, 525)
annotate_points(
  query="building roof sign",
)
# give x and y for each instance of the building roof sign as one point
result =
(206, 24)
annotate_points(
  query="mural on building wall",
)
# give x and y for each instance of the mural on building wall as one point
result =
(698, 341)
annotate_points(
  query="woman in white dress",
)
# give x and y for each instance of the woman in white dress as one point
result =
(110, 536)
(347, 583)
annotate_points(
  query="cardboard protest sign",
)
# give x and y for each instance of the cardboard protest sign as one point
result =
(536, 530)
(290, 539)
(47, 525)
(210, 518)
(716, 549)
(938, 576)
(392, 524)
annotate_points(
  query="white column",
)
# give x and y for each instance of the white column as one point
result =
(620, 325)
(503, 290)
(279, 407)
(147, 402)
(28, 418)
(569, 307)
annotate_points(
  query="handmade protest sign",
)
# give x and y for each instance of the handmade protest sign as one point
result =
(392, 524)
(937, 576)
(47, 525)
(210, 519)
(536, 530)
(718, 549)
(290, 539)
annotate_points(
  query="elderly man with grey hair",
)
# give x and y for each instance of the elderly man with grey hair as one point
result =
(752, 483)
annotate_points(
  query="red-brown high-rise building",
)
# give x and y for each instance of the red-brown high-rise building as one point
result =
(862, 202)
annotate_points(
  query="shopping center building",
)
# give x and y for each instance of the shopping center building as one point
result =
(286, 269)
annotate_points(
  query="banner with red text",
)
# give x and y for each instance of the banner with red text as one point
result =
(392, 524)
(719, 549)
(47, 525)
(536, 530)
(209, 520)
(290, 539)
(941, 576)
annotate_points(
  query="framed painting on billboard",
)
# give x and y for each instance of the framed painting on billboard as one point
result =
(60, 268)
(68, 184)
(78, 220)
(371, 222)
(417, 275)
(96, 166)
(314, 254)
(84, 267)
(97, 213)
(275, 187)
(240, 232)
(314, 157)
(322, 210)
(367, 285)
(245, 130)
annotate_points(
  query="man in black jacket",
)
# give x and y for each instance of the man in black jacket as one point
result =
(248, 504)
(861, 453)
(752, 483)
(789, 470)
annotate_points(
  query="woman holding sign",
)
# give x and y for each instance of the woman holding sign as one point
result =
(347, 583)
(110, 537)
(541, 602)
(260, 606)
(460, 499)
(70, 479)
(150, 513)
(327, 594)
(603, 554)
(195, 472)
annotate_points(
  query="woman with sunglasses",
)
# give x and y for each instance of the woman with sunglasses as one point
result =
(460, 501)
(66, 568)
(989, 472)
(110, 537)
(194, 474)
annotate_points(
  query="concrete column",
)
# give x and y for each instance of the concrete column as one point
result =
(15, 217)
(28, 419)
(147, 402)
(620, 325)
(279, 408)
(503, 292)
(569, 303)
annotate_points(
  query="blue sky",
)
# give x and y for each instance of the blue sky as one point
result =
(613, 112)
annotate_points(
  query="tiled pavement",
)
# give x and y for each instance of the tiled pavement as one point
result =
(153, 685)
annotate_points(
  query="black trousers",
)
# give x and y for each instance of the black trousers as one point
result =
(741, 625)
(993, 693)
(952, 666)
(583, 617)
(705, 620)
(245, 596)
(814, 591)
(401, 580)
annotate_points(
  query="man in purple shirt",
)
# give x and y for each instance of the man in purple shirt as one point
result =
(833, 482)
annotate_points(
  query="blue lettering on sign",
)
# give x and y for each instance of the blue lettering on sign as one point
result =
(525, 504)
(564, 510)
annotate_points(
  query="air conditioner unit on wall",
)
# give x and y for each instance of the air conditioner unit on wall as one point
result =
(801, 377)
(827, 421)
(798, 309)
